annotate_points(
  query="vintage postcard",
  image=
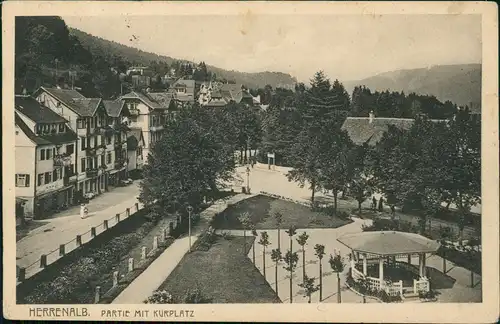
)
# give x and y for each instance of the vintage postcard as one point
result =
(223, 161)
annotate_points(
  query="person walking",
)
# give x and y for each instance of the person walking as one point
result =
(393, 211)
(381, 204)
(374, 203)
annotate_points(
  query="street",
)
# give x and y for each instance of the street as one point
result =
(64, 226)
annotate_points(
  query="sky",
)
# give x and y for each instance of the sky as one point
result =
(345, 47)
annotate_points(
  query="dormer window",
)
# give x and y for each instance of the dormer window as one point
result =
(61, 128)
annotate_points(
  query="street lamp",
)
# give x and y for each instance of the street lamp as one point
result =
(190, 210)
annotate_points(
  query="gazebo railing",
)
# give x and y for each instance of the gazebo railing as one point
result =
(421, 285)
(392, 289)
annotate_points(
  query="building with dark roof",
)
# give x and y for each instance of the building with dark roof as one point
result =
(45, 158)
(101, 152)
(149, 112)
(370, 130)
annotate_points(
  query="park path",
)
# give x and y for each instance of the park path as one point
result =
(64, 227)
(276, 182)
(154, 275)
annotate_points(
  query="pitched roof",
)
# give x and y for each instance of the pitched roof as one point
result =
(190, 84)
(389, 242)
(35, 139)
(59, 138)
(162, 98)
(113, 107)
(361, 131)
(88, 106)
(134, 138)
(75, 100)
(148, 101)
(35, 111)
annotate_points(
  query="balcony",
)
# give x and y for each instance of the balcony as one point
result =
(121, 127)
(134, 112)
(120, 163)
(63, 159)
(91, 151)
(91, 172)
(156, 128)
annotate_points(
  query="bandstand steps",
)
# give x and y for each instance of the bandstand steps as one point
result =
(412, 298)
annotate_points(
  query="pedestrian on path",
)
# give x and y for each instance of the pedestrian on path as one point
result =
(374, 203)
(381, 205)
(393, 211)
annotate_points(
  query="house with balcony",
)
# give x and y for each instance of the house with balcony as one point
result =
(45, 155)
(183, 92)
(149, 112)
(88, 117)
(116, 158)
(216, 94)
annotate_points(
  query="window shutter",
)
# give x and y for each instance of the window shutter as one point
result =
(27, 181)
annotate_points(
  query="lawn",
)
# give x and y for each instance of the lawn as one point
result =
(261, 209)
(223, 274)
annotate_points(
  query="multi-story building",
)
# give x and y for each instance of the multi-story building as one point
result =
(183, 91)
(116, 158)
(214, 94)
(45, 158)
(148, 114)
(135, 145)
(88, 117)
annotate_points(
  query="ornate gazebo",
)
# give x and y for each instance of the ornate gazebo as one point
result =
(387, 248)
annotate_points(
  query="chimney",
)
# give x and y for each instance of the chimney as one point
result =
(371, 117)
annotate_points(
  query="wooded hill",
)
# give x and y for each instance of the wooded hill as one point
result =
(460, 84)
(136, 56)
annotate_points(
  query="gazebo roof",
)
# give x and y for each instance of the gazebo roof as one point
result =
(389, 243)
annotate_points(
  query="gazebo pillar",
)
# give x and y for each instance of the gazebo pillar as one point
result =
(409, 258)
(421, 261)
(365, 264)
(381, 270)
(352, 260)
(424, 267)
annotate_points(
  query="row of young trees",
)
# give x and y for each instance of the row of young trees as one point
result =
(291, 257)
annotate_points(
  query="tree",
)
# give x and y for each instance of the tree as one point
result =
(309, 287)
(334, 160)
(264, 241)
(337, 265)
(278, 218)
(244, 219)
(302, 240)
(291, 232)
(291, 259)
(276, 257)
(254, 233)
(189, 160)
(320, 253)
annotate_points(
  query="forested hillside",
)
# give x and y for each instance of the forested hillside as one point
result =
(460, 84)
(136, 56)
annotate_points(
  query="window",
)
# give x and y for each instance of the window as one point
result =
(108, 158)
(83, 140)
(70, 149)
(53, 128)
(103, 159)
(108, 140)
(82, 165)
(91, 122)
(48, 177)
(48, 154)
(42, 154)
(40, 179)
(61, 128)
(22, 180)
(54, 151)
(81, 123)
(54, 175)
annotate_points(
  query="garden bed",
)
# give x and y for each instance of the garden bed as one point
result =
(72, 279)
(261, 209)
(222, 273)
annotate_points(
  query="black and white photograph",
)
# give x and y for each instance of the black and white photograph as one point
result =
(253, 156)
